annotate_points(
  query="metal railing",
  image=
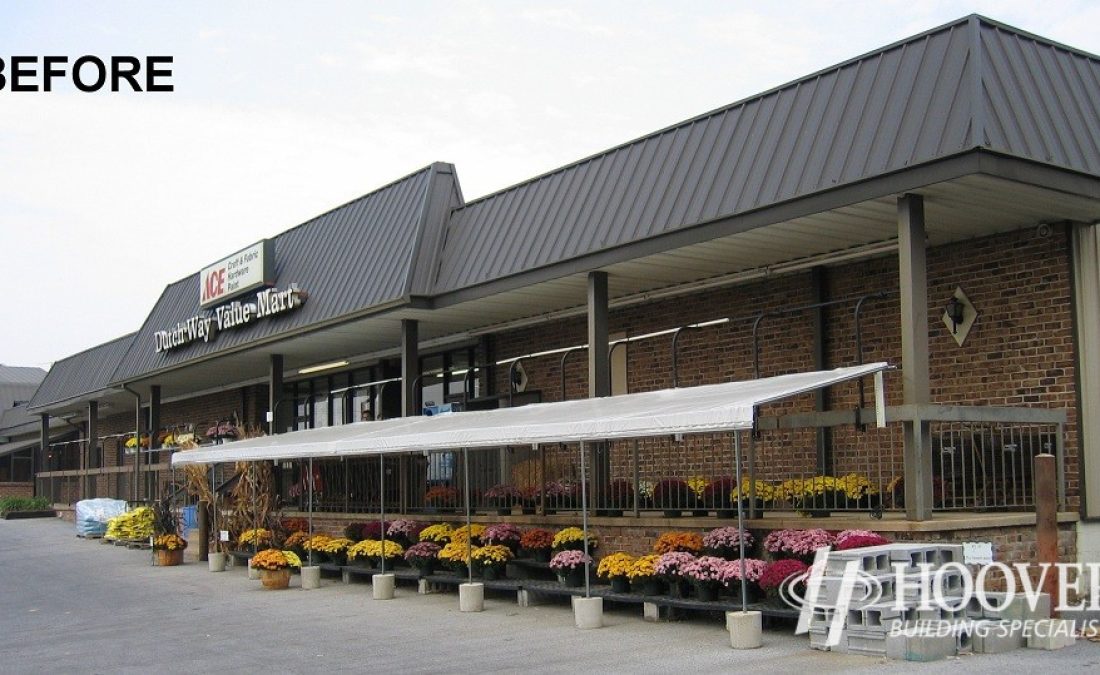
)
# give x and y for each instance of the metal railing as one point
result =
(981, 460)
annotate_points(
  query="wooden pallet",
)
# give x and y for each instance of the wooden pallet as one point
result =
(89, 536)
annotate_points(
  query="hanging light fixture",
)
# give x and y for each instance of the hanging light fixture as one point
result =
(956, 312)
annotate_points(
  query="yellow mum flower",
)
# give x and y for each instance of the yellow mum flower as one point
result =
(615, 565)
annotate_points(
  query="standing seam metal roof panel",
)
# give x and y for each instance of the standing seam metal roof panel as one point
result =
(1043, 99)
(350, 259)
(897, 107)
(80, 374)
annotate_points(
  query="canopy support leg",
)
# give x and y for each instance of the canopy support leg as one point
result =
(466, 499)
(584, 524)
(740, 516)
(310, 504)
(382, 506)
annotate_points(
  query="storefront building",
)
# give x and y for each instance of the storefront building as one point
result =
(933, 204)
(18, 437)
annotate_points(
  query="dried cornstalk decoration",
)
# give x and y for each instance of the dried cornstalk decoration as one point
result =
(527, 475)
(252, 500)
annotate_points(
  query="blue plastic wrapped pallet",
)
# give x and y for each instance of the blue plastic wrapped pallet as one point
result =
(188, 520)
(92, 515)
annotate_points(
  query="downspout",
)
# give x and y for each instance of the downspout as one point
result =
(137, 437)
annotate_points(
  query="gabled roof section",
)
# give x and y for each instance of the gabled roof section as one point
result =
(21, 374)
(353, 259)
(79, 375)
(18, 383)
(1040, 100)
(971, 84)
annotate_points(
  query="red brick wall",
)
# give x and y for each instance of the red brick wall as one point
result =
(248, 405)
(1019, 352)
(25, 490)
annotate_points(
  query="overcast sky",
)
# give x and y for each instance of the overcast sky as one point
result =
(282, 111)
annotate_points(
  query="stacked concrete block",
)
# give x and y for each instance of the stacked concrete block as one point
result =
(1016, 608)
(997, 637)
(869, 624)
(1051, 634)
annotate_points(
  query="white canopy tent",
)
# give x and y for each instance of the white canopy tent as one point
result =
(728, 406)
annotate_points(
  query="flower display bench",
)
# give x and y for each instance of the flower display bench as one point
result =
(655, 607)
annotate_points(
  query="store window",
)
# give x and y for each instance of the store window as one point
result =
(320, 403)
(363, 400)
(340, 401)
(432, 383)
(458, 377)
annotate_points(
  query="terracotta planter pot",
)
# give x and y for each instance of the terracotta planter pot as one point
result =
(275, 579)
(167, 558)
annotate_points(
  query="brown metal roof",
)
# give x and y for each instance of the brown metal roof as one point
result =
(971, 84)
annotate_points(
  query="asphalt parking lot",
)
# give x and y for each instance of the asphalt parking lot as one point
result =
(76, 606)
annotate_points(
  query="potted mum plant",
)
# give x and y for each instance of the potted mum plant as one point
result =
(354, 531)
(725, 542)
(668, 568)
(405, 532)
(687, 542)
(453, 556)
(441, 499)
(816, 497)
(716, 495)
(760, 494)
(372, 552)
(423, 557)
(296, 542)
(491, 561)
(776, 574)
(800, 544)
(620, 495)
(537, 544)
(697, 485)
(472, 531)
(673, 495)
(858, 491)
(254, 539)
(570, 566)
(504, 534)
(643, 575)
(572, 539)
(615, 568)
(274, 568)
(704, 574)
(502, 497)
(730, 576)
(314, 548)
(560, 494)
(849, 539)
(440, 533)
(337, 549)
(169, 548)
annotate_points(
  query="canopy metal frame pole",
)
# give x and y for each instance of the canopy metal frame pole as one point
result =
(584, 524)
(214, 511)
(310, 504)
(740, 517)
(466, 499)
(382, 506)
